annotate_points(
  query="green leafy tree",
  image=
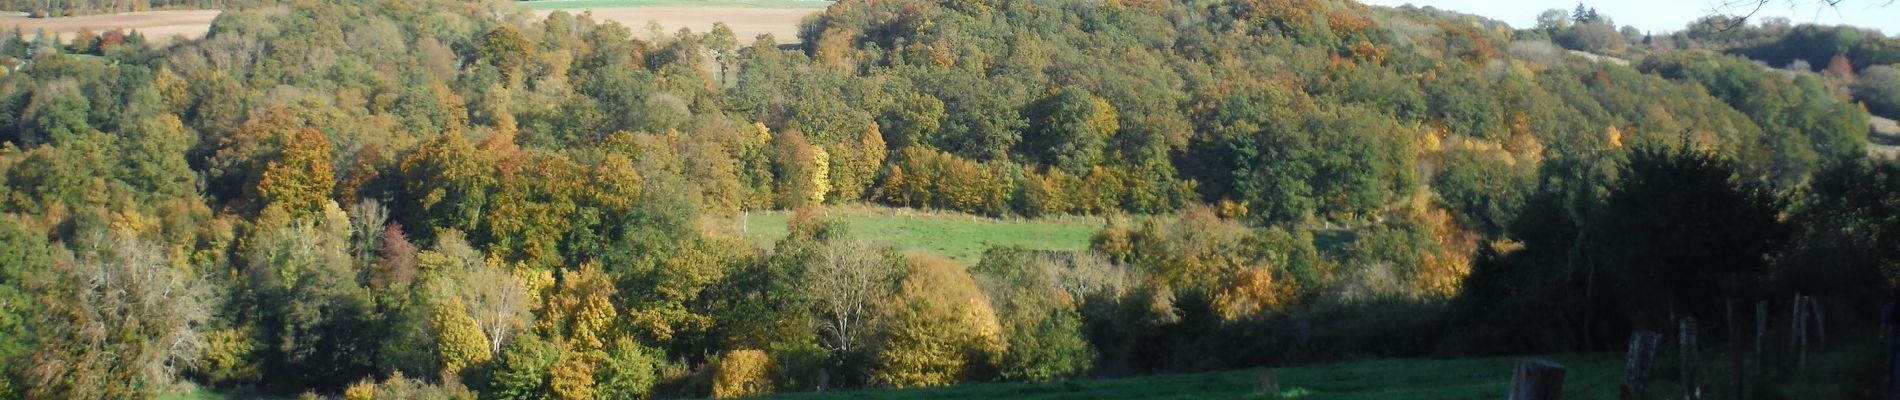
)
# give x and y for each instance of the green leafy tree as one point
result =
(29, 263)
(521, 371)
(154, 158)
(507, 49)
(1679, 231)
(629, 372)
(1044, 330)
(1069, 129)
(446, 185)
(1844, 230)
(1879, 88)
(914, 119)
(59, 112)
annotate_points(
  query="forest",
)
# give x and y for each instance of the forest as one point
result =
(455, 199)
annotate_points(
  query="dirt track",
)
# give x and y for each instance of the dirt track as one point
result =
(159, 26)
(747, 23)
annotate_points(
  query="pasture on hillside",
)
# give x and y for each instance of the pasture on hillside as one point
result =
(959, 237)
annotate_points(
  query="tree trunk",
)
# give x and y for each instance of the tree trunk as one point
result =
(1691, 360)
(1537, 379)
(1637, 364)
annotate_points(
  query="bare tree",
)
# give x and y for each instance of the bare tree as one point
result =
(366, 226)
(117, 323)
(1748, 8)
(844, 283)
(498, 301)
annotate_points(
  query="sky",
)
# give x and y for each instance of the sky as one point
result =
(1658, 16)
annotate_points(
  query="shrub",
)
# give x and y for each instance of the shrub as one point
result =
(401, 387)
(1045, 345)
(742, 373)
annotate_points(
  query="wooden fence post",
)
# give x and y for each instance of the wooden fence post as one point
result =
(1537, 379)
(1637, 364)
(1795, 357)
(1691, 359)
(1801, 336)
(1820, 325)
(1761, 339)
(1734, 350)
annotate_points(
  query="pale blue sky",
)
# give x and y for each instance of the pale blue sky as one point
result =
(1670, 15)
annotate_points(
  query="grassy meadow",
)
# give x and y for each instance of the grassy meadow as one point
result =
(1591, 376)
(959, 237)
(1845, 373)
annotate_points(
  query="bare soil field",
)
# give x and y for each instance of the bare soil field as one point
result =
(158, 26)
(747, 23)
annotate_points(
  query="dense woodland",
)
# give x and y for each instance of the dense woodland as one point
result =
(448, 199)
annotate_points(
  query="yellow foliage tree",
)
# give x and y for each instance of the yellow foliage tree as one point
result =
(361, 390)
(1442, 272)
(802, 170)
(572, 377)
(581, 310)
(742, 373)
(300, 180)
(853, 168)
(1252, 291)
(459, 340)
(938, 328)
(820, 174)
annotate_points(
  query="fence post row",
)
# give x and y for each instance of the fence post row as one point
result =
(1734, 350)
(1691, 359)
(1638, 363)
(1761, 340)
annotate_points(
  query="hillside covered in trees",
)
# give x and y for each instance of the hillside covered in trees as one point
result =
(434, 198)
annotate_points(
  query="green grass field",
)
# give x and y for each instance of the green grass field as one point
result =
(1590, 376)
(584, 4)
(1845, 372)
(1840, 374)
(955, 236)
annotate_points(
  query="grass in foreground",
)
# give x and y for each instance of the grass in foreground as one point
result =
(958, 237)
(1591, 376)
(1843, 373)
(586, 4)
